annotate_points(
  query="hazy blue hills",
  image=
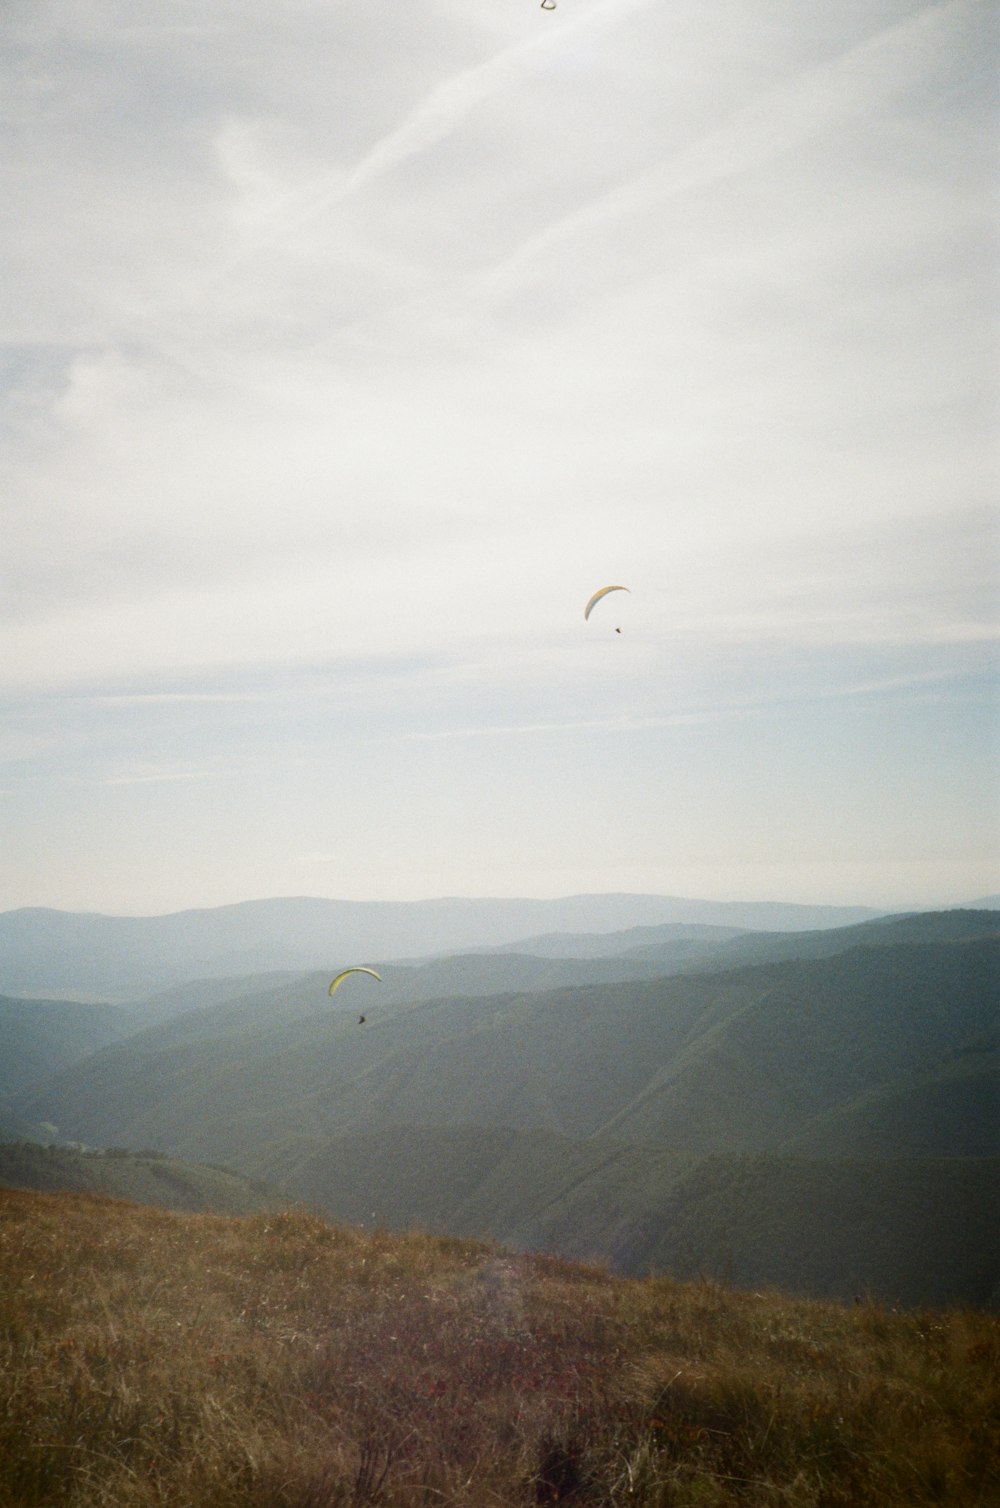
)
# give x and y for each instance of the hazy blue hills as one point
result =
(690, 937)
(776, 947)
(809, 1037)
(778, 1121)
(45, 951)
(41, 1036)
(765, 1058)
(38, 1037)
(713, 947)
(213, 1008)
(537, 965)
(196, 995)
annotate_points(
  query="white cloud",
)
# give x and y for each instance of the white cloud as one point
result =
(155, 777)
(361, 345)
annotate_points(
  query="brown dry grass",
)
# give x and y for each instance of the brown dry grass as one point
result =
(281, 1362)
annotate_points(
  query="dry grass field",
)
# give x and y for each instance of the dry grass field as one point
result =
(277, 1361)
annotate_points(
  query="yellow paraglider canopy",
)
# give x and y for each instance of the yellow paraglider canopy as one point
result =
(359, 969)
(603, 592)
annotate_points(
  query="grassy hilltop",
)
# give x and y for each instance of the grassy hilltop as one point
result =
(276, 1361)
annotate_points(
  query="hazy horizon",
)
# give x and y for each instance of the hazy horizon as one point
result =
(345, 354)
(966, 902)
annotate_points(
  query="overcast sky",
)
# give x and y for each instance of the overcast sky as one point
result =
(347, 348)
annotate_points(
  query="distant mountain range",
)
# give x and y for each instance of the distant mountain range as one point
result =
(819, 1108)
(120, 957)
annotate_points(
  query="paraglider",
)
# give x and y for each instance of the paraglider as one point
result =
(603, 592)
(357, 970)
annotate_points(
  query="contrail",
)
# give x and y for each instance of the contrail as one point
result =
(436, 116)
(772, 124)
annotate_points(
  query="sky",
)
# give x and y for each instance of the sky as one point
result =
(347, 349)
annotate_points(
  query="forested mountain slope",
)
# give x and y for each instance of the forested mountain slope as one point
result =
(914, 1231)
(749, 1060)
